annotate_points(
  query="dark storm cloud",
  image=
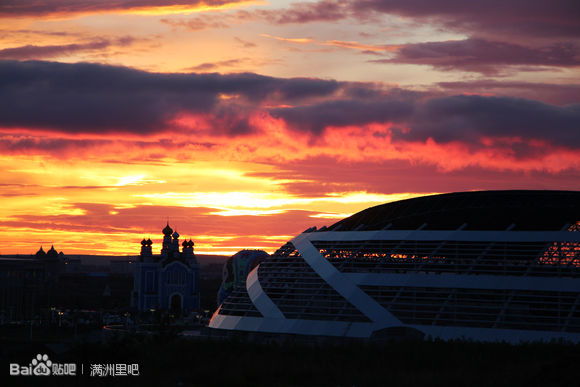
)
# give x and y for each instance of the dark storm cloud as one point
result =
(462, 118)
(484, 56)
(467, 118)
(42, 52)
(90, 98)
(15, 8)
(556, 94)
(502, 33)
(315, 118)
(147, 151)
(96, 98)
(537, 18)
(21, 144)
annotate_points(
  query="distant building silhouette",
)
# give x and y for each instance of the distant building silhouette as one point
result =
(169, 281)
(24, 281)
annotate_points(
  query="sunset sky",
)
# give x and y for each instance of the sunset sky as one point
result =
(242, 123)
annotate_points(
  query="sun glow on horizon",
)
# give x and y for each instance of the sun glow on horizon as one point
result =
(101, 208)
(246, 122)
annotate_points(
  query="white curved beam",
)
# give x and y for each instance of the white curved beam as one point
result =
(343, 285)
(259, 298)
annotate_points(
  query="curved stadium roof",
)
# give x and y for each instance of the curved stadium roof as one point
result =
(479, 210)
(356, 281)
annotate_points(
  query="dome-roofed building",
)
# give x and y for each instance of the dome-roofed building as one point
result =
(167, 230)
(235, 271)
(169, 281)
(487, 265)
(52, 253)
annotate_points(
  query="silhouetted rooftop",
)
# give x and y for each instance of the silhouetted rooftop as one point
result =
(479, 210)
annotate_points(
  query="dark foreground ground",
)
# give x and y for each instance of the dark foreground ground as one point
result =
(167, 360)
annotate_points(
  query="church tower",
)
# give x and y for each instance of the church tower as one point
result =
(146, 251)
(167, 282)
(167, 247)
(188, 254)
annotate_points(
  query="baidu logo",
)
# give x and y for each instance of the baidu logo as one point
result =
(42, 366)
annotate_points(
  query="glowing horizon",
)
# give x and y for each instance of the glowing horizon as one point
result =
(246, 122)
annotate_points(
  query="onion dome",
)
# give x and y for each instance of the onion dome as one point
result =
(185, 244)
(52, 252)
(175, 235)
(149, 242)
(143, 242)
(167, 230)
(190, 243)
(41, 252)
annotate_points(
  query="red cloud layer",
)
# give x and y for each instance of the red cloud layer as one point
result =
(108, 110)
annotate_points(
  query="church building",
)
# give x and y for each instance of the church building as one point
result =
(169, 281)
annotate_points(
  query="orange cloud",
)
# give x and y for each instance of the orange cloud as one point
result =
(337, 43)
(290, 40)
(63, 9)
(361, 46)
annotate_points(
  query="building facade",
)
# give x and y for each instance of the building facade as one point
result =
(169, 281)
